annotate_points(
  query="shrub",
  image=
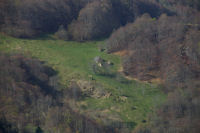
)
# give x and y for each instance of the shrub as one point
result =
(62, 33)
(102, 70)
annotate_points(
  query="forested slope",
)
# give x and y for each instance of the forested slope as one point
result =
(32, 102)
(90, 19)
(151, 49)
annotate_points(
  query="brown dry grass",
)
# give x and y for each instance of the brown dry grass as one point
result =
(121, 53)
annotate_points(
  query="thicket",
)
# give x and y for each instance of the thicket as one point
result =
(31, 100)
(26, 91)
(30, 18)
(190, 3)
(99, 18)
(166, 48)
(179, 114)
(83, 19)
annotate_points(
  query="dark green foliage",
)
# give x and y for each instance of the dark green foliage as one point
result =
(38, 130)
(5, 127)
(102, 67)
(105, 68)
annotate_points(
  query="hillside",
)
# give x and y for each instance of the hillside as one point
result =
(99, 66)
(126, 102)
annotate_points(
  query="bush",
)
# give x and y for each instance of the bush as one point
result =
(102, 67)
(62, 33)
(102, 70)
(25, 90)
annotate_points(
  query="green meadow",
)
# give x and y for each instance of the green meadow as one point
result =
(72, 61)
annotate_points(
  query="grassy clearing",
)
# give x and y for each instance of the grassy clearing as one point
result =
(72, 61)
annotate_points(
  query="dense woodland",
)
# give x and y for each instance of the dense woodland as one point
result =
(157, 49)
(31, 100)
(160, 40)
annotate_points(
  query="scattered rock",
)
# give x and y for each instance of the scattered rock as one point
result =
(91, 77)
(92, 89)
(123, 98)
(110, 63)
(116, 108)
(99, 64)
(107, 95)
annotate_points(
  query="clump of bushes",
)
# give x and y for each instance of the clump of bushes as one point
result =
(102, 70)
(102, 67)
(105, 68)
(62, 33)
